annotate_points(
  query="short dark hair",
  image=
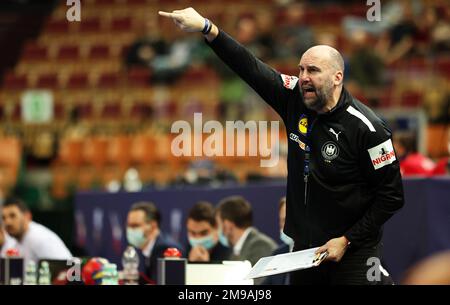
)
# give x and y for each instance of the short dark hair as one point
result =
(14, 201)
(203, 211)
(150, 210)
(237, 210)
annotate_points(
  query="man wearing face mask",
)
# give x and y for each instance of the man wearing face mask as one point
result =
(202, 235)
(344, 178)
(143, 233)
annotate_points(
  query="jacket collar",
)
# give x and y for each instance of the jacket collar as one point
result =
(342, 104)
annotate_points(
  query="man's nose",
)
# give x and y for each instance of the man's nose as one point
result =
(304, 77)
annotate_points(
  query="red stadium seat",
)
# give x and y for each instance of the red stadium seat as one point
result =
(111, 110)
(77, 80)
(34, 52)
(15, 82)
(90, 25)
(123, 24)
(48, 81)
(411, 98)
(139, 77)
(99, 52)
(57, 26)
(108, 80)
(68, 53)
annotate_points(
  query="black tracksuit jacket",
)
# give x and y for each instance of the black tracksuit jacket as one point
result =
(353, 183)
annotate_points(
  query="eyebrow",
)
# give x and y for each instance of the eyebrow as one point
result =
(310, 67)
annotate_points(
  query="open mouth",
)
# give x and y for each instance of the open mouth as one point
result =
(308, 90)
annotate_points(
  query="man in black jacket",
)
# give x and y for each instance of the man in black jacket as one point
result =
(143, 233)
(201, 226)
(343, 181)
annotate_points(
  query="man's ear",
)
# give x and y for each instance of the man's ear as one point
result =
(227, 224)
(338, 78)
(28, 216)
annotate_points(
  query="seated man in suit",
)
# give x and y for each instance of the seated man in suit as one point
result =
(202, 235)
(235, 218)
(143, 232)
(286, 246)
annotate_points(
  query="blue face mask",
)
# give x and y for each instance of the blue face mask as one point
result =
(136, 237)
(222, 239)
(286, 239)
(206, 242)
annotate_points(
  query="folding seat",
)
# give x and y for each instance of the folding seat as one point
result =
(411, 98)
(119, 150)
(90, 25)
(70, 152)
(111, 110)
(47, 81)
(13, 81)
(138, 77)
(122, 24)
(108, 80)
(68, 52)
(95, 151)
(99, 52)
(34, 52)
(77, 80)
(57, 26)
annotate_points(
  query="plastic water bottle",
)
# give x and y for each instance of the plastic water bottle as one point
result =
(110, 275)
(114, 279)
(130, 263)
(30, 274)
(44, 274)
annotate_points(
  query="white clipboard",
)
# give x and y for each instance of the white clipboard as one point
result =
(286, 262)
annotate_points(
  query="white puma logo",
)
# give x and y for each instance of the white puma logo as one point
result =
(334, 132)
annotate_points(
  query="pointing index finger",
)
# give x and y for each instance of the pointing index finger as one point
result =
(165, 14)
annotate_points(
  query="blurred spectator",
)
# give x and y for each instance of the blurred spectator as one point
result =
(366, 68)
(433, 270)
(34, 241)
(294, 36)
(205, 172)
(234, 216)
(75, 128)
(443, 165)
(412, 163)
(391, 14)
(286, 247)
(202, 235)
(150, 50)
(440, 32)
(143, 233)
(398, 41)
(436, 98)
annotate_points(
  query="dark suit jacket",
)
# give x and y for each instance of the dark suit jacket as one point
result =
(149, 266)
(278, 279)
(255, 246)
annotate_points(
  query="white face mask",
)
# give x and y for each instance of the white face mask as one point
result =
(286, 239)
(136, 237)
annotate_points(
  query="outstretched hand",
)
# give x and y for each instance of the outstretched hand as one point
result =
(187, 19)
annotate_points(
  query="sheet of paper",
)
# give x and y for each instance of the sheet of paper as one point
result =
(286, 262)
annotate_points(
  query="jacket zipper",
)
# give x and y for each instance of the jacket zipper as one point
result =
(306, 172)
